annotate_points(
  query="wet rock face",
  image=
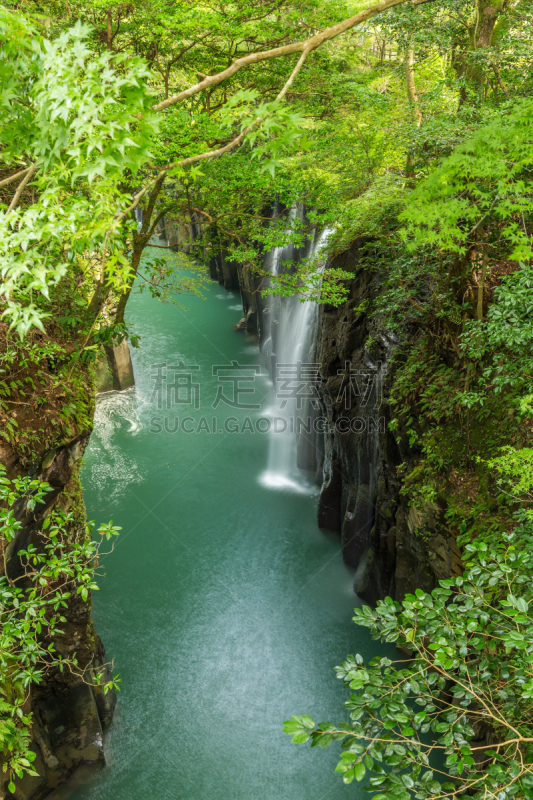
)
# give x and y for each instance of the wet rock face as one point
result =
(232, 275)
(70, 714)
(330, 502)
(395, 549)
(114, 369)
(224, 271)
(69, 720)
(357, 523)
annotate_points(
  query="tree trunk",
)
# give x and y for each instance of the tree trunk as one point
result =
(499, 79)
(481, 282)
(488, 14)
(412, 96)
(98, 299)
(473, 71)
(138, 247)
(140, 240)
(121, 307)
(109, 41)
(409, 63)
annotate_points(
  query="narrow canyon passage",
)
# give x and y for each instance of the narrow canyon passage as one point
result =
(223, 605)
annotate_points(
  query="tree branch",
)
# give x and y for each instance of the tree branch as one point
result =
(213, 80)
(297, 47)
(14, 177)
(294, 73)
(215, 223)
(20, 189)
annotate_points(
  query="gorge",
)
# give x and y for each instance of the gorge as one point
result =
(221, 625)
(266, 399)
(208, 614)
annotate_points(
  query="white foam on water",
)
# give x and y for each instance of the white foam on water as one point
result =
(113, 471)
(281, 482)
(112, 408)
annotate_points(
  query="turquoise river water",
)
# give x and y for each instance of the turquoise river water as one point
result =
(224, 608)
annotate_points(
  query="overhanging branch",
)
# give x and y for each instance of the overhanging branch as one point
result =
(286, 50)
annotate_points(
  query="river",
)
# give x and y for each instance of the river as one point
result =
(224, 608)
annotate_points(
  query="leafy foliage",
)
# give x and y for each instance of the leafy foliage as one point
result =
(486, 181)
(454, 717)
(76, 125)
(32, 609)
(504, 345)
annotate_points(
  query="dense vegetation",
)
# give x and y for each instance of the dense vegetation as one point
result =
(411, 124)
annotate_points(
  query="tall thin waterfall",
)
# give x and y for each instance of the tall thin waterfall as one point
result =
(290, 350)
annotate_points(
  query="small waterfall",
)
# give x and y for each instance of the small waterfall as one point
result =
(290, 349)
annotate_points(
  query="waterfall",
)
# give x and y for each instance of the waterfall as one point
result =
(289, 348)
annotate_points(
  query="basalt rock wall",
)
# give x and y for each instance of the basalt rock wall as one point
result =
(232, 275)
(395, 545)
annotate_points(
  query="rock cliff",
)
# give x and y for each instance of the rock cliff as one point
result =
(44, 437)
(69, 713)
(395, 545)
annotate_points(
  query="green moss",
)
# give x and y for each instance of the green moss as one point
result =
(449, 442)
(47, 382)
